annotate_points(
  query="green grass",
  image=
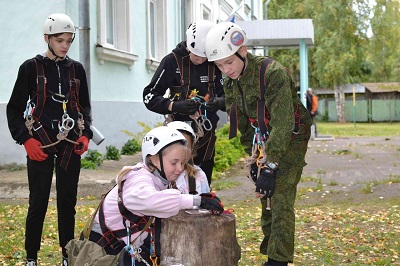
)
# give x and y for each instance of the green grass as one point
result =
(325, 234)
(359, 130)
(342, 234)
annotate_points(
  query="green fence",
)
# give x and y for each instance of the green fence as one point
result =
(365, 110)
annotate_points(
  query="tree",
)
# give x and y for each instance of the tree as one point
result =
(339, 52)
(384, 50)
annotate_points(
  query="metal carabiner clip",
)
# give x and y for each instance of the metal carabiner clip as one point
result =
(67, 123)
(206, 123)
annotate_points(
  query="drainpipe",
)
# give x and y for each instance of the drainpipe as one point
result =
(84, 38)
(84, 56)
(266, 19)
(183, 20)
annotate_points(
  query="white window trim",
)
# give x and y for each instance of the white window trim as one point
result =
(114, 55)
(107, 52)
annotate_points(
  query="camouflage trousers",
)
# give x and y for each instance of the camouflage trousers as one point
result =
(278, 224)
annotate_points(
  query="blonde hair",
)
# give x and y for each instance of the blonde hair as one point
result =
(190, 170)
(149, 165)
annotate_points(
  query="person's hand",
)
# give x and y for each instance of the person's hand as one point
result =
(253, 172)
(82, 146)
(211, 202)
(215, 104)
(185, 107)
(265, 184)
(35, 153)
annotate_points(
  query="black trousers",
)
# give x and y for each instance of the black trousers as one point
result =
(40, 176)
(205, 154)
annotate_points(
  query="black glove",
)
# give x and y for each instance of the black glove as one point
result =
(214, 104)
(211, 202)
(185, 107)
(265, 183)
(253, 172)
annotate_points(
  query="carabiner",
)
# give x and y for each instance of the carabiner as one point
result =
(204, 123)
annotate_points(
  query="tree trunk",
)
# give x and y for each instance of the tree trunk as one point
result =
(340, 103)
(199, 239)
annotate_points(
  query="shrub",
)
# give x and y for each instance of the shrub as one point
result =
(130, 147)
(85, 164)
(94, 156)
(227, 152)
(112, 153)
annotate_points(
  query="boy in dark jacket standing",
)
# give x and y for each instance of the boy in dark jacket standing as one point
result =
(49, 113)
(274, 127)
(195, 91)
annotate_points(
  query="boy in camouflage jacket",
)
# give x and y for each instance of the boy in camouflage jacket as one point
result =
(284, 145)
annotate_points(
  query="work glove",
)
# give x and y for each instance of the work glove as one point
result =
(35, 153)
(215, 104)
(266, 182)
(253, 172)
(185, 107)
(211, 202)
(82, 146)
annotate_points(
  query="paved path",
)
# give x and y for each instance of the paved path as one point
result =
(340, 164)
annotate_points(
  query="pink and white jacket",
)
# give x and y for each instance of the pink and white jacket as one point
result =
(143, 194)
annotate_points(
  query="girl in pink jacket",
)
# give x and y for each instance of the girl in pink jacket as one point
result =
(142, 192)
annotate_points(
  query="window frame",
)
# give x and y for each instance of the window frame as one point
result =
(120, 50)
(156, 33)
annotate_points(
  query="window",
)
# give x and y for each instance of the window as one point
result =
(113, 41)
(157, 32)
(206, 12)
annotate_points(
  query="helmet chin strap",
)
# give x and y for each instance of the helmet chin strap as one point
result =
(161, 171)
(244, 62)
(53, 53)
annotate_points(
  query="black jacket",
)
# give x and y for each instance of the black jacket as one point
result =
(25, 88)
(168, 75)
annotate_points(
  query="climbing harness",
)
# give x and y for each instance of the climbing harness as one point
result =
(183, 92)
(111, 238)
(200, 117)
(36, 106)
(257, 161)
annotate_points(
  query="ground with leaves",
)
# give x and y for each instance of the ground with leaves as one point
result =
(347, 210)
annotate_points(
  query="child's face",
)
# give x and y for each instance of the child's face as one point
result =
(60, 44)
(232, 66)
(174, 159)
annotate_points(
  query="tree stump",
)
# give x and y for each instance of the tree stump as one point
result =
(199, 239)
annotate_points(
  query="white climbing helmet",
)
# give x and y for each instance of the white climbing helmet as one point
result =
(58, 23)
(182, 126)
(196, 36)
(157, 138)
(223, 40)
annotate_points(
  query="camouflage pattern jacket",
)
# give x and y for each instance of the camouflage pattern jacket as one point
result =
(281, 100)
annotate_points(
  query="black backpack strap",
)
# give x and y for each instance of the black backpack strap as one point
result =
(262, 113)
(183, 63)
(211, 81)
(41, 82)
(74, 85)
(192, 185)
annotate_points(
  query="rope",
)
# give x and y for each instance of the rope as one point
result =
(199, 131)
(29, 124)
(62, 134)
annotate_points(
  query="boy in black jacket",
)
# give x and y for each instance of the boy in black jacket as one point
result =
(51, 91)
(196, 92)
